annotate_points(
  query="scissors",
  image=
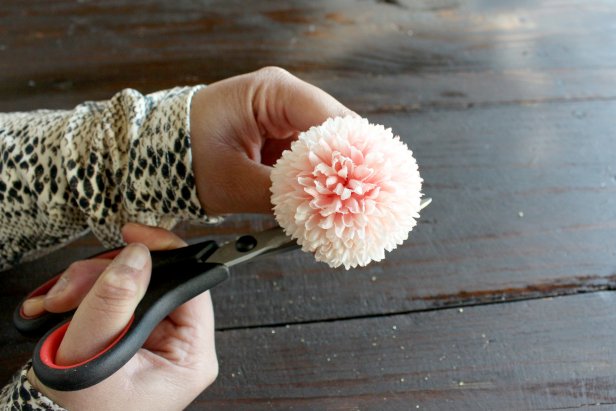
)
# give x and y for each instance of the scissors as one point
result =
(177, 276)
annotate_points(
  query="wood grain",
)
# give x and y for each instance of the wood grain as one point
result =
(519, 356)
(482, 167)
(355, 49)
(509, 108)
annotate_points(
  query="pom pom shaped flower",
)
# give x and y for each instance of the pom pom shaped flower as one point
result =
(347, 190)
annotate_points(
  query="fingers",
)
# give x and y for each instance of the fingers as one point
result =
(284, 104)
(198, 315)
(232, 123)
(192, 327)
(74, 284)
(69, 290)
(186, 336)
(256, 178)
(272, 149)
(113, 298)
(153, 237)
(79, 277)
(107, 308)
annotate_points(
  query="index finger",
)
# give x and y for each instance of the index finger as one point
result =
(284, 104)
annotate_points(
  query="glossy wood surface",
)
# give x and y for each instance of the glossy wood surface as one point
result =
(509, 107)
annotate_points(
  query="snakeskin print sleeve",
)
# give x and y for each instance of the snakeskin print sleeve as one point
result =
(20, 395)
(63, 173)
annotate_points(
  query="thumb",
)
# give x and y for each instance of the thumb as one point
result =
(108, 307)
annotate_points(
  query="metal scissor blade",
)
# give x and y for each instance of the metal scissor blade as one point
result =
(269, 241)
(424, 203)
(252, 245)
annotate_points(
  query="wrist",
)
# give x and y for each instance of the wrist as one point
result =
(207, 130)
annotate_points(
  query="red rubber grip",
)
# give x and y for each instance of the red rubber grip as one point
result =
(50, 347)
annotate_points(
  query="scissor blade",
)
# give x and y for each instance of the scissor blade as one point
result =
(252, 245)
(269, 241)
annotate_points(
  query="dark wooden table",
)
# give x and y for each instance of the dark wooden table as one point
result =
(502, 297)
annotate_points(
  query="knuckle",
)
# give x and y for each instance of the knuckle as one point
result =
(274, 72)
(117, 289)
(75, 268)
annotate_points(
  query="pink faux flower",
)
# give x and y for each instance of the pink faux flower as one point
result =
(347, 191)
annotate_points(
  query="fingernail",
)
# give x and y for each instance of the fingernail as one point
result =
(58, 288)
(34, 306)
(133, 255)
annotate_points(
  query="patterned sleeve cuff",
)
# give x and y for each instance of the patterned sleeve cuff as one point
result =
(138, 167)
(160, 177)
(19, 394)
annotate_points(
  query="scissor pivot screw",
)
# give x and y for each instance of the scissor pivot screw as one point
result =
(245, 243)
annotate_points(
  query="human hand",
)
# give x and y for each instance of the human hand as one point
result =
(176, 363)
(239, 128)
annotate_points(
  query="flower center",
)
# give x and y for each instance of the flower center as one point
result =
(343, 187)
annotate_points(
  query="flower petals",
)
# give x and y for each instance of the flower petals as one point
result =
(348, 191)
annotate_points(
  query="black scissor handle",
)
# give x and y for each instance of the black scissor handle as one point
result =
(177, 276)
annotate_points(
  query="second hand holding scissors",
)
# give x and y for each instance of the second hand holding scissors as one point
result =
(177, 276)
